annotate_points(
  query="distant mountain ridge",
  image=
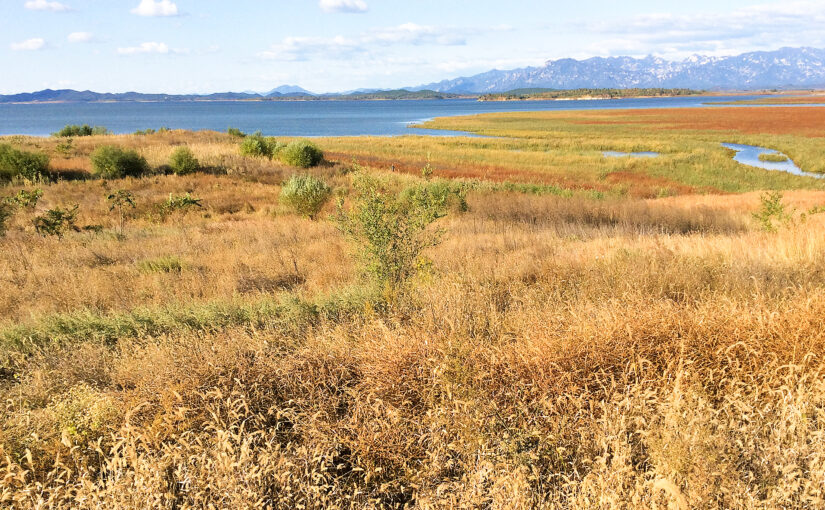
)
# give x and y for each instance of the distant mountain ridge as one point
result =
(783, 68)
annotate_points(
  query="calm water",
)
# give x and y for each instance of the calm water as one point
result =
(749, 155)
(292, 118)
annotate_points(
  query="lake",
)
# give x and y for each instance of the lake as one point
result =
(294, 118)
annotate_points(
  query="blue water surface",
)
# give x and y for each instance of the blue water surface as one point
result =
(294, 118)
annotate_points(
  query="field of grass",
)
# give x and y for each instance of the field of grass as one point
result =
(589, 333)
(814, 99)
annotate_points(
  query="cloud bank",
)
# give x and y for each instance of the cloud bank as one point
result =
(351, 6)
(33, 44)
(154, 8)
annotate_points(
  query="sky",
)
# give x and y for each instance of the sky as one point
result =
(203, 46)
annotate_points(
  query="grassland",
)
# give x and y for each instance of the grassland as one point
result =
(590, 333)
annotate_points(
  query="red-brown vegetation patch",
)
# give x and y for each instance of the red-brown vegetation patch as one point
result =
(808, 121)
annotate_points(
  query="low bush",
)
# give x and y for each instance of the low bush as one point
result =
(391, 231)
(84, 130)
(15, 163)
(237, 133)
(110, 162)
(56, 222)
(302, 153)
(305, 194)
(183, 161)
(261, 146)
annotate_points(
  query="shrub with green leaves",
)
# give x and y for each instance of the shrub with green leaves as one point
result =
(772, 211)
(183, 161)
(26, 199)
(302, 153)
(110, 162)
(237, 133)
(84, 130)
(305, 194)
(259, 145)
(56, 222)
(390, 231)
(15, 163)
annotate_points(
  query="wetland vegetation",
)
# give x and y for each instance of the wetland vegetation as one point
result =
(415, 322)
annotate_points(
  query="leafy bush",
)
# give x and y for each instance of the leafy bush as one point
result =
(302, 153)
(183, 161)
(390, 230)
(178, 203)
(305, 194)
(84, 130)
(110, 162)
(237, 133)
(772, 211)
(56, 222)
(144, 132)
(17, 163)
(27, 199)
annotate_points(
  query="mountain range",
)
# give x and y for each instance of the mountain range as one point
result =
(785, 68)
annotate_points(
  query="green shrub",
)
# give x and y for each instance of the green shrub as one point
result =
(237, 133)
(305, 194)
(144, 132)
(302, 153)
(26, 199)
(390, 231)
(84, 130)
(110, 162)
(183, 161)
(772, 212)
(56, 222)
(16, 163)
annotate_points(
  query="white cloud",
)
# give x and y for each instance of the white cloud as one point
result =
(44, 5)
(147, 47)
(34, 44)
(343, 5)
(80, 37)
(156, 8)
(305, 48)
(765, 26)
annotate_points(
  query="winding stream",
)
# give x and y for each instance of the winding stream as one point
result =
(749, 155)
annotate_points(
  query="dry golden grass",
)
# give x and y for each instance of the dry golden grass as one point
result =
(559, 352)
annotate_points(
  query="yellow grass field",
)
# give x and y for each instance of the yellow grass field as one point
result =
(588, 333)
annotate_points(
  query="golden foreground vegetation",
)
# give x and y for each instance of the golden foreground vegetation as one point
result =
(625, 334)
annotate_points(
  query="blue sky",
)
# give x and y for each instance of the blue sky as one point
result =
(201, 46)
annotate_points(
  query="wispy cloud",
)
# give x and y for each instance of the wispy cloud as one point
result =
(44, 5)
(351, 6)
(156, 8)
(306, 48)
(80, 37)
(150, 47)
(33, 44)
(763, 26)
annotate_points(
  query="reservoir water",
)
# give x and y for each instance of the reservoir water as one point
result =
(295, 118)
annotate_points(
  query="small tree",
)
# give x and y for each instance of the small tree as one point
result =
(302, 153)
(772, 211)
(120, 200)
(390, 231)
(110, 162)
(305, 194)
(56, 222)
(183, 161)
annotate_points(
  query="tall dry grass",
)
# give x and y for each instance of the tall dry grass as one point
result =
(558, 352)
